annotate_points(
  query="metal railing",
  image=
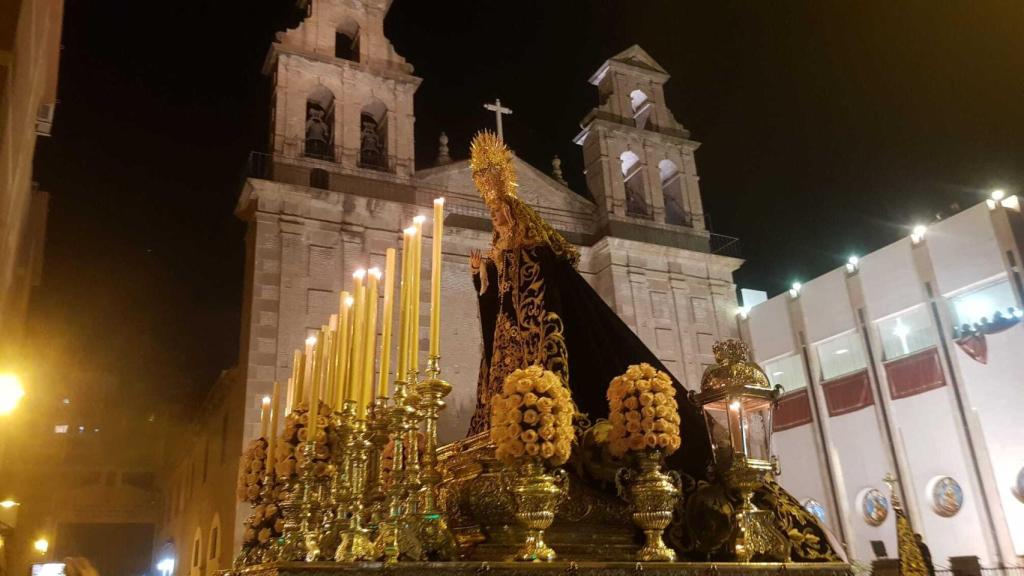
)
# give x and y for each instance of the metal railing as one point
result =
(723, 245)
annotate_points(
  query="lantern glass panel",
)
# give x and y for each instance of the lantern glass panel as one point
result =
(716, 415)
(757, 428)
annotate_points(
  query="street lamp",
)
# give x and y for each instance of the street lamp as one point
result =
(41, 545)
(8, 504)
(738, 402)
(11, 393)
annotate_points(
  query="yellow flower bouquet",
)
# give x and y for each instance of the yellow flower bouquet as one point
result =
(643, 412)
(531, 419)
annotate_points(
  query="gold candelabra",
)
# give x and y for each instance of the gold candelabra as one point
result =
(355, 541)
(336, 520)
(299, 538)
(434, 536)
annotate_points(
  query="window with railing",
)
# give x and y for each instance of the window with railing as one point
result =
(787, 372)
(840, 355)
(905, 333)
(980, 309)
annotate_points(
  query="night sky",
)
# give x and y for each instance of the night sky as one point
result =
(827, 129)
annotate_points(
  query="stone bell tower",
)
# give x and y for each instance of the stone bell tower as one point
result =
(341, 94)
(638, 158)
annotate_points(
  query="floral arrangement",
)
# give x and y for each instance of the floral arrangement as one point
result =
(643, 412)
(251, 471)
(266, 522)
(532, 418)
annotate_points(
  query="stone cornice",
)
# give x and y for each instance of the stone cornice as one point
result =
(277, 50)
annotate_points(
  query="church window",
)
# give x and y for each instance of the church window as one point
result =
(320, 124)
(841, 355)
(672, 191)
(641, 107)
(373, 136)
(636, 199)
(787, 371)
(346, 41)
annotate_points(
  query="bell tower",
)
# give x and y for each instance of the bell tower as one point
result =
(342, 96)
(638, 159)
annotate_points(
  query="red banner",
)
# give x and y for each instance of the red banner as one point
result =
(915, 373)
(848, 393)
(794, 410)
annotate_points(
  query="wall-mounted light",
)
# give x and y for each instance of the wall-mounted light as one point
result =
(165, 566)
(794, 291)
(41, 545)
(917, 234)
(852, 263)
(743, 312)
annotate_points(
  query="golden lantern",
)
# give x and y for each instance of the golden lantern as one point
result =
(738, 403)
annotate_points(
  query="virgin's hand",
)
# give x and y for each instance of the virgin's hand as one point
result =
(475, 259)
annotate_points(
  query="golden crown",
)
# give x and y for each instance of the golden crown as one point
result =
(490, 162)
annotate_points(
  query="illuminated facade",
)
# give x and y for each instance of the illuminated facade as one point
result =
(908, 360)
(339, 182)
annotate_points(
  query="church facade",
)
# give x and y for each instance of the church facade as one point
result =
(339, 182)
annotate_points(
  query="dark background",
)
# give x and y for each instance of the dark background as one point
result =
(828, 128)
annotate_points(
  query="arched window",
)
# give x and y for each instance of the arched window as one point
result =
(320, 124)
(636, 200)
(346, 41)
(641, 107)
(373, 135)
(214, 545)
(672, 190)
(196, 558)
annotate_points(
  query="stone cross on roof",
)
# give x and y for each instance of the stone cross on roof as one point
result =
(499, 111)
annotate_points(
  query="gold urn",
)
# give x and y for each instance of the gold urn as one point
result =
(536, 492)
(653, 495)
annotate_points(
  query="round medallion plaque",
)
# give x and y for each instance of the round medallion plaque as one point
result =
(815, 508)
(946, 495)
(874, 506)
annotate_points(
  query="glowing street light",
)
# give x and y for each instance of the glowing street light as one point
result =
(166, 566)
(998, 195)
(852, 263)
(794, 291)
(11, 393)
(8, 504)
(41, 545)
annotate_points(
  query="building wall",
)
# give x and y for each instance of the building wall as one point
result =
(29, 57)
(198, 504)
(947, 415)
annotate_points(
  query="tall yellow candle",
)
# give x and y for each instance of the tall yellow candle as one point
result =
(264, 417)
(314, 393)
(316, 367)
(403, 304)
(344, 332)
(355, 366)
(329, 390)
(295, 391)
(370, 353)
(290, 400)
(417, 268)
(275, 410)
(385, 338)
(307, 371)
(435, 279)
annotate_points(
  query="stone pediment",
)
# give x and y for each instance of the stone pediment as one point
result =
(637, 56)
(536, 188)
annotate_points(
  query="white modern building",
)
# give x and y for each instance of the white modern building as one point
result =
(908, 360)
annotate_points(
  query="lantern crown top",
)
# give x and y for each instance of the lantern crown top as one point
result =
(733, 368)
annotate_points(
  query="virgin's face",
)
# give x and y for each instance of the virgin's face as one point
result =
(500, 218)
